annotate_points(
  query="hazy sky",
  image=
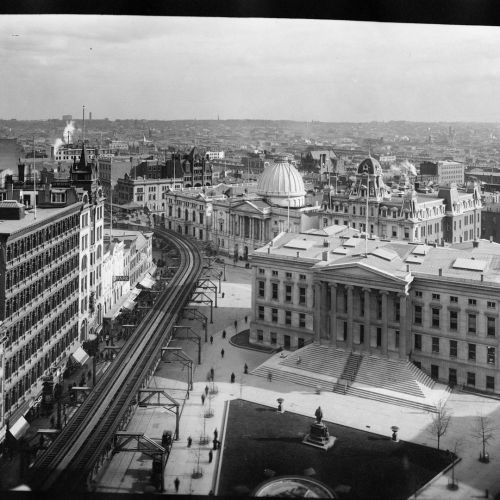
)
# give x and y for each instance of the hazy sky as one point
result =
(186, 67)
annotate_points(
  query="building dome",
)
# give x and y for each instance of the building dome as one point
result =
(282, 185)
(370, 166)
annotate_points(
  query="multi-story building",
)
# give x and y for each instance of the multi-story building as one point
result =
(214, 155)
(442, 173)
(71, 153)
(84, 176)
(436, 306)
(39, 289)
(451, 216)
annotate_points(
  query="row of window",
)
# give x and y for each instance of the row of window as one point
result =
(275, 292)
(36, 372)
(454, 300)
(22, 245)
(453, 349)
(288, 316)
(275, 274)
(472, 320)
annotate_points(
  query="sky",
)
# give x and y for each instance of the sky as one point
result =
(171, 68)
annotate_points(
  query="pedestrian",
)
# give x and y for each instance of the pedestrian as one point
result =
(206, 390)
(211, 339)
(212, 373)
(210, 456)
(203, 399)
(246, 319)
(215, 444)
(246, 369)
(216, 433)
(176, 483)
(190, 441)
(232, 378)
(107, 340)
(235, 324)
(222, 353)
(223, 334)
(218, 445)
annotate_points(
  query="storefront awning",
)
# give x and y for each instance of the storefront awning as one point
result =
(80, 356)
(130, 302)
(19, 428)
(147, 282)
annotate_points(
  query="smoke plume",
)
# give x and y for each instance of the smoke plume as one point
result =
(67, 137)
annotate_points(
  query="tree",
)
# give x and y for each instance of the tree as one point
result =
(484, 430)
(440, 421)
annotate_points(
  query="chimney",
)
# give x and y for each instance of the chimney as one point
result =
(326, 243)
(325, 255)
(440, 271)
(21, 172)
(482, 277)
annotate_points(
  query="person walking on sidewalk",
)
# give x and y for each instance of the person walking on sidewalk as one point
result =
(176, 484)
(216, 433)
(232, 378)
(190, 441)
(245, 370)
(235, 324)
(203, 399)
(210, 456)
(222, 353)
(212, 373)
(223, 334)
(211, 339)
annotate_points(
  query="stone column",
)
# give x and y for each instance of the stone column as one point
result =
(384, 294)
(317, 312)
(333, 314)
(404, 330)
(366, 343)
(350, 312)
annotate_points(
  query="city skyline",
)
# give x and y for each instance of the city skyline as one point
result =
(173, 68)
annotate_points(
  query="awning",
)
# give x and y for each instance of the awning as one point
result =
(147, 282)
(19, 428)
(130, 302)
(80, 356)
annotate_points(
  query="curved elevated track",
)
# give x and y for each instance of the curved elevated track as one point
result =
(69, 463)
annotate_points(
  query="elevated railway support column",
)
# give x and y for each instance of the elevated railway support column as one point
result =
(202, 298)
(189, 334)
(167, 353)
(207, 284)
(194, 314)
(146, 397)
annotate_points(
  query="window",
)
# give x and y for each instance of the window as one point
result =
(302, 320)
(490, 383)
(418, 315)
(453, 348)
(288, 293)
(453, 299)
(261, 312)
(275, 273)
(472, 352)
(302, 295)
(436, 296)
(453, 320)
(274, 338)
(261, 271)
(435, 317)
(472, 323)
(274, 291)
(491, 305)
(302, 276)
(418, 342)
(274, 315)
(435, 372)
(288, 317)
(490, 326)
(418, 293)
(288, 276)
(452, 377)
(262, 288)
(472, 302)
(260, 336)
(490, 355)
(471, 379)
(396, 310)
(435, 345)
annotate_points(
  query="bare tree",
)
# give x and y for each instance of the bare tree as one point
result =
(453, 484)
(484, 430)
(440, 421)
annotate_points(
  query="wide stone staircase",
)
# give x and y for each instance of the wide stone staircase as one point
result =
(382, 379)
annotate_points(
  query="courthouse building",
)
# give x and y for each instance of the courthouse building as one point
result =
(435, 306)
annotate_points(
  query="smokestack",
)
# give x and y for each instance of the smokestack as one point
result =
(21, 172)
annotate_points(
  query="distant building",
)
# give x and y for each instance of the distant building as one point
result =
(71, 152)
(214, 155)
(442, 173)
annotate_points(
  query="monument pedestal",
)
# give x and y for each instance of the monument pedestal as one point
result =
(319, 437)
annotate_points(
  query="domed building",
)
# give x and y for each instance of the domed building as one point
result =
(281, 184)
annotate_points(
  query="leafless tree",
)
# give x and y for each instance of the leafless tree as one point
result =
(440, 421)
(484, 430)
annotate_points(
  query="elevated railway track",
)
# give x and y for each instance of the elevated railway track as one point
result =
(74, 458)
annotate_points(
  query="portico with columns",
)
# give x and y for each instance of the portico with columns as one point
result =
(363, 309)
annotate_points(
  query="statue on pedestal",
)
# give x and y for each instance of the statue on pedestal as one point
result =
(318, 414)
